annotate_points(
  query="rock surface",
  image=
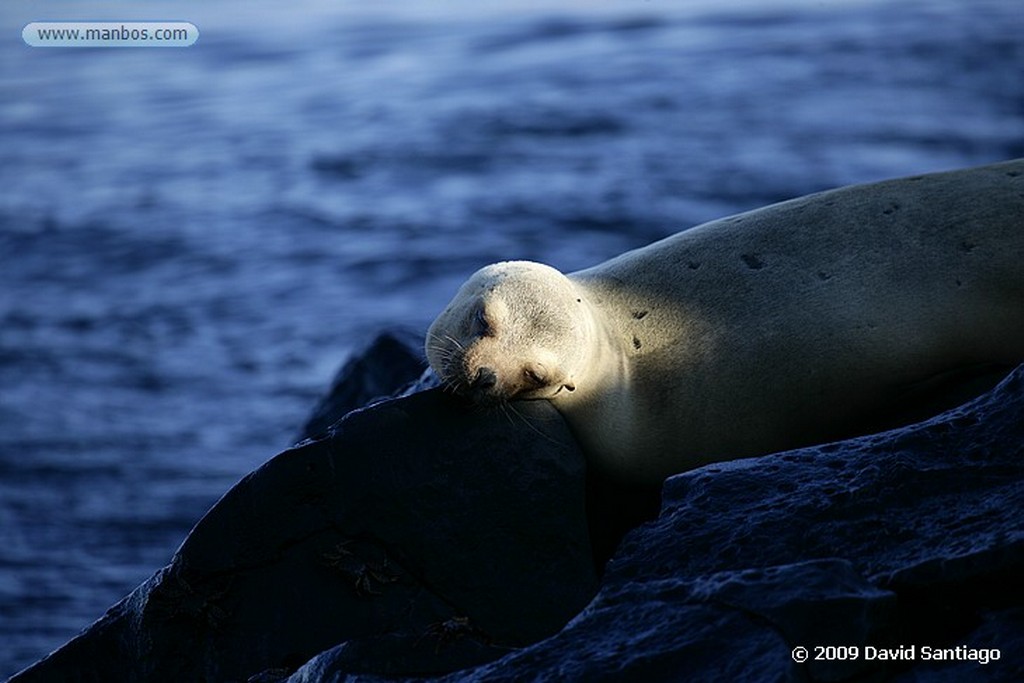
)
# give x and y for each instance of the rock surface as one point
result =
(348, 559)
(912, 537)
(387, 535)
(390, 364)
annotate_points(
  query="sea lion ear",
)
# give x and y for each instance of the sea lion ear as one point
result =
(569, 386)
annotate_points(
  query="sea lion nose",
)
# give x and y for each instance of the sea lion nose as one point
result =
(481, 385)
(485, 379)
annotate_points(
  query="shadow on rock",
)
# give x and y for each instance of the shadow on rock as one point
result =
(423, 535)
(912, 537)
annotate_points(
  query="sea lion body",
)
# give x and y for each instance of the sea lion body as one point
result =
(795, 324)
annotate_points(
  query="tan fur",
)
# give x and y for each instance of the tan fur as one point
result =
(781, 327)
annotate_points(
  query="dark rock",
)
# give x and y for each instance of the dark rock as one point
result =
(383, 368)
(422, 534)
(615, 508)
(912, 537)
(727, 626)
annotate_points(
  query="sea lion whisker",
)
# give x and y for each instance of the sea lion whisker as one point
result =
(526, 420)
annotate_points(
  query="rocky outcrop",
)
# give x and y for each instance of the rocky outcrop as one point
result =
(420, 539)
(911, 538)
(391, 364)
(423, 534)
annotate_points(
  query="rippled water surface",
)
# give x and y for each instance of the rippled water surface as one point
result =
(191, 240)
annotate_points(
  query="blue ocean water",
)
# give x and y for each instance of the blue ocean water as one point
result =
(192, 240)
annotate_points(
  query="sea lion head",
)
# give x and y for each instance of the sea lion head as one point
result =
(515, 330)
